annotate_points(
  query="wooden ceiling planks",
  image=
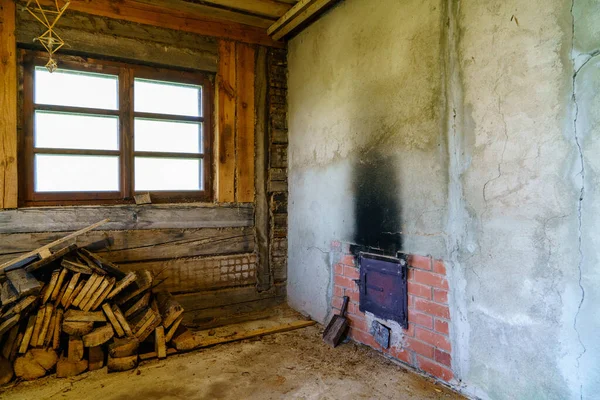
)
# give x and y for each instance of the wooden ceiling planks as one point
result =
(268, 8)
(299, 15)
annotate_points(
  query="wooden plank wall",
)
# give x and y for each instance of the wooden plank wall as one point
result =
(8, 106)
(236, 122)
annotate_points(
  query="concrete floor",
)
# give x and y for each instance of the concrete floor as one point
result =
(292, 365)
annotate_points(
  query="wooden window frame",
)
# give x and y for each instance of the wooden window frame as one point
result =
(126, 75)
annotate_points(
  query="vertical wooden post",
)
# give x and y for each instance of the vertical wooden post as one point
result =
(8, 106)
(244, 169)
(227, 94)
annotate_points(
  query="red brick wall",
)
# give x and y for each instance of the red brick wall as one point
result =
(425, 345)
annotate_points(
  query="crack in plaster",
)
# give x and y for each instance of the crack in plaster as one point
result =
(501, 113)
(580, 203)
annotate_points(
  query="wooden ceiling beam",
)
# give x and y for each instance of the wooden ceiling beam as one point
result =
(167, 16)
(302, 12)
(269, 8)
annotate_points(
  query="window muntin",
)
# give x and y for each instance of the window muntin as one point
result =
(80, 148)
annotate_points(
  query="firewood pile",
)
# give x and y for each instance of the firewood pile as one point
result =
(68, 310)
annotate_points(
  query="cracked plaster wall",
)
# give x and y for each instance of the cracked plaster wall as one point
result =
(489, 111)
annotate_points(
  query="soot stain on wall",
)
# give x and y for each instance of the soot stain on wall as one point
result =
(376, 202)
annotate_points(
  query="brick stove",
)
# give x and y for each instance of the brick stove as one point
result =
(425, 344)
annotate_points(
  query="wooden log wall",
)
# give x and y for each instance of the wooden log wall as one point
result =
(211, 254)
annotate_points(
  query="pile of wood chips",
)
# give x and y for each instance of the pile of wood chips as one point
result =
(66, 309)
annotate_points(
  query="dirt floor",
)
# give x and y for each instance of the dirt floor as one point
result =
(292, 365)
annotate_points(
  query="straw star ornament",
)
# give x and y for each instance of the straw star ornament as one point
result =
(48, 17)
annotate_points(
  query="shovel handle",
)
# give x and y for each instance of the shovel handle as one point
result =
(344, 306)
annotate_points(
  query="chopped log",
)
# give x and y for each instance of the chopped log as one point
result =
(143, 282)
(44, 250)
(66, 368)
(70, 288)
(84, 316)
(75, 293)
(96, 358)
(47, 358)
(183, 339)
(91, 265)
(61, 294)
(57, 329)
(75, 348)
(59, 283)
(169, 308)
(76, 267)
(27, 368)
(6, 371)
(138, 305)
(159, 342)
(85, 290)
(27, 336)
(50, 287)
(16, 345)
(149, 327)
(9, 323)
(141, 319)
(20, 307)
(123, 347)
(122, 321)
(48, 260)
(91, 292)
(45, 325)
(9, 342)
(111, 284)
(113, 320)
(106, 265)
(98, 336)
(173, 329)
(23, 282)
(122, 284)
(8, 294)
(39, 321)
(104, 284)
(122, 363)
(48, 341)
(77, 328)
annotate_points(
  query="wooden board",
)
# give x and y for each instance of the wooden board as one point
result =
(20, 307)
(7, 325)
(23, 282)
(270, 8)
(71, 286)
(59, 284)
(39, 321)
(8, 110)
(301, 13)
(49, 288)
(122, 321)
(159, 342)
(45, 261)
(57, 329)
(8, 294)
(46, 325)
(244, 167)
(122, 284)
(227, 92)
(27, 335)
(124, 217)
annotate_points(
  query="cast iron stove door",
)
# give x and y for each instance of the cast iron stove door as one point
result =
(383, 288)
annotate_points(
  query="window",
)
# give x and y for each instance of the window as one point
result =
(100, 132)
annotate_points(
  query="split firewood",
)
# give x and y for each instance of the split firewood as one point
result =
(149, 327)
(77, 328)
(101, 288)
(6, 371)
(100, 300)
(169, 308)
(8, 294)
(28, 334)
(57, 329)
(75, 348)
(39, 321)
(9, 323)
(105, 265)
(76, 267)
(122, 284)
(16, 345)
(70, 288)
(59, 283)
(183, 339)
(20, 307)
(91, 292)
(113, 320)
(143, 282)
(138, 305)
(98, 336)
(23, 282)
(66, 368)
(122, 363)
(50, 287)
(27, 368)
(45, 325)
(90, 282)
(75, 293)
(159, 342)
(48, 260)
(173, 329)
(141, 320)
(48, 341)
(9, 342)
(84, 316)
(61, 294)
(96, 358)
(123, 347)
(47, 358)
(122, 321)
(153, 354)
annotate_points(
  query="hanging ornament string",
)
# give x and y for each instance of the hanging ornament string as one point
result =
(51, 41)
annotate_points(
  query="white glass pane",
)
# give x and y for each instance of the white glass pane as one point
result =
(167, 98)
(76, 131)
(76, 89)
(73, 173)
(167, 136)
(167, 174)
